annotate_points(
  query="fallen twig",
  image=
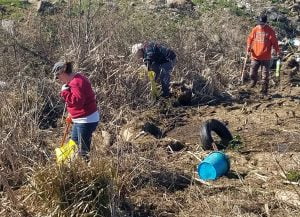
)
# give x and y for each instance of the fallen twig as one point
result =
(291, 183)
(194, 155)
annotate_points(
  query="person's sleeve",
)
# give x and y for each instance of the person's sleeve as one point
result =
(149, 57)
(74, 97)
(167, 53)
(274, 42)
(250, 39)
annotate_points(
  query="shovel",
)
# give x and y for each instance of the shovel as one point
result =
(243, 69)
(66, 150)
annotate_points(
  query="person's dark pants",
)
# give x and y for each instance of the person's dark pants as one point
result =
(163, 74)
(255, 65)
(82, 135)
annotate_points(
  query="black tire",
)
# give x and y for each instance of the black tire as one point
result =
(220, 129)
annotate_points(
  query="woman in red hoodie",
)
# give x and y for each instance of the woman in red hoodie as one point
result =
(81, 104)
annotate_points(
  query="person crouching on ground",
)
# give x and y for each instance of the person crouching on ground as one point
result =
(259, 43)
(159, 59)
(81, 105)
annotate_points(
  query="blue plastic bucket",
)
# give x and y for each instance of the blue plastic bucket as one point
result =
(215, 165)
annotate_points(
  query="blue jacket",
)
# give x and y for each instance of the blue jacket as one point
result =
(157, 54)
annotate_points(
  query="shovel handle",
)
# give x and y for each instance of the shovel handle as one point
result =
(63, 116)
(65, 133)
(244, 67)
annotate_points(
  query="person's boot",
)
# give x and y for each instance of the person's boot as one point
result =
(264, 89)
(165, 92)
(165, 95)
(252, 84)
(246, 78)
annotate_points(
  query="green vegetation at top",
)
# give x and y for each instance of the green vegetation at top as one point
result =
(13, 9)
(293, 176)
(12, 3)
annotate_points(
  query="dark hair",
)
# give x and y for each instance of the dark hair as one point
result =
(69, 68)
(263, 18)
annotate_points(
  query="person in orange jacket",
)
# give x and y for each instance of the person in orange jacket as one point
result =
(260, 43)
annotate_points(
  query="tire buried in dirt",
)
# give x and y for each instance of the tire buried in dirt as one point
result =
(220, 129)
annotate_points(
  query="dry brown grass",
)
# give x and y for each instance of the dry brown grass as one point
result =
(137, 178)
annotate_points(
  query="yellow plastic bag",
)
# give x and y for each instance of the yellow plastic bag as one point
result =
(66, 152)
(154, 87)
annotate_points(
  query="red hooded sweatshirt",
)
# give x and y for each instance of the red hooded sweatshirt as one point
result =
(80, 98)
(260, 41)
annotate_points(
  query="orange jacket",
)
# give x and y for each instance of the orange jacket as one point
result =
(260, 42)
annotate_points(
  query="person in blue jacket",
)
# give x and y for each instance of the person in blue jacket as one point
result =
(159, 59)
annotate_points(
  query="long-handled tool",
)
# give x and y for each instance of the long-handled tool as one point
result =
(244, 67)
(64, 112)
(278, 66)
(65, 134)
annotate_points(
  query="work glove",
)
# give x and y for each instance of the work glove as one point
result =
(147, 64)
(249, 50)
(69, 120)
(279, 55)
(65, 87)
(142, 71)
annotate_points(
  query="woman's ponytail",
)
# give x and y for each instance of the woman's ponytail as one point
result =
(69, 68)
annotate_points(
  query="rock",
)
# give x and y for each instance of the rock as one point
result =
(240, 5)
(288, 197)
(152, 7)
(172, 3)
(107, 139)
(216, 38)
(3, 85)
(128, 134)
(274, 15)
(111, 5)
(46, 7)
(8, 26)
(136, 129)
(243, 4)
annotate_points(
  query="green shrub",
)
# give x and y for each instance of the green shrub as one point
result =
(293, 175)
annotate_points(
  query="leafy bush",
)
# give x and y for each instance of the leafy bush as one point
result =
(293, 176)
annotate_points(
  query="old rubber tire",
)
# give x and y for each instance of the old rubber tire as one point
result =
(220, 129)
